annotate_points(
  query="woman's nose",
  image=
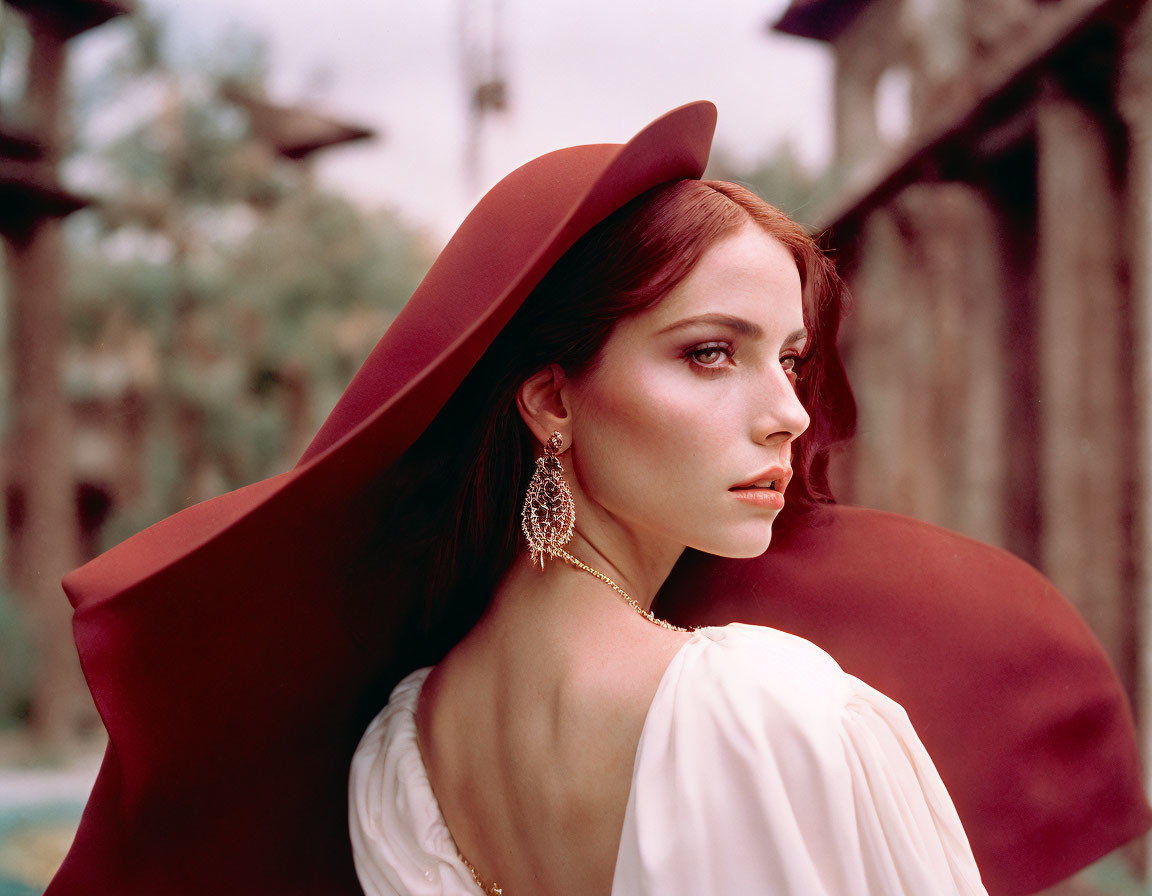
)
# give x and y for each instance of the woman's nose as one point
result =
(783, 417)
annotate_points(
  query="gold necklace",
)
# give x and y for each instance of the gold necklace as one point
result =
(628, 598)
(491, 889)
(487, 889)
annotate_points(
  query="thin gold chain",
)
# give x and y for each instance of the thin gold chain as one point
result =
(628, 598)
(491, 889)
(487, 889)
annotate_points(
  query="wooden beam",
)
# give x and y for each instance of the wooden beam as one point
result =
(973, 107)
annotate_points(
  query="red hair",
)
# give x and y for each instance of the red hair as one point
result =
(451, 503)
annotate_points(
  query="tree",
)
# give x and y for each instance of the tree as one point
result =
(259, 292)
(780, 178)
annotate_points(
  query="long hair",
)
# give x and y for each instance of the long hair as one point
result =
(450, 506)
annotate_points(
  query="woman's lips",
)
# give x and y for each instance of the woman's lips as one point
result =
(761, 497)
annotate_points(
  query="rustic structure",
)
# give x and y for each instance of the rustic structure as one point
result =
(39, 496)
(293, 131)
(998, 250)
(86, 418)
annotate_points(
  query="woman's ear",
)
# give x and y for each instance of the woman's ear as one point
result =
(541, 404)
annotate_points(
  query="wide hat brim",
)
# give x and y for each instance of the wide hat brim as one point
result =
(235, 677)
(232, 674)
(495, 258)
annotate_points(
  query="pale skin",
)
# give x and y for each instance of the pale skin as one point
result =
(529, 727)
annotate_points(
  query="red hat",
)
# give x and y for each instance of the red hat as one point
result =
(235, 677)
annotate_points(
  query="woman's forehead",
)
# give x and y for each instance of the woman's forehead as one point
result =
(749, 274)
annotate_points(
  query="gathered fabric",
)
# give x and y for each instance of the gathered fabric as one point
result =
(762, 767)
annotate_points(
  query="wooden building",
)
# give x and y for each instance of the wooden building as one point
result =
(993, 171)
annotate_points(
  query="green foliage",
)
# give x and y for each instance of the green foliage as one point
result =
(145, 290)
(781, 179)
(234, 296)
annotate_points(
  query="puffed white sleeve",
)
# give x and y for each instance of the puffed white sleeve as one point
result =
(764, 768)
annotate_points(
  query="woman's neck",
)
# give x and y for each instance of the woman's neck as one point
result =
(639, 568)
(563, 595)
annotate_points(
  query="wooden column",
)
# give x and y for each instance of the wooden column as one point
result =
(1085, 408)
(40, 426)
(957, 291)
(1135, 106)
(927, 361)
(877, 363)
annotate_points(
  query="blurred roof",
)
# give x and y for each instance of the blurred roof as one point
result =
(818, 19)
(71, 17)
(16, 143)
(29, 194)
(28, 188)
(293, 131)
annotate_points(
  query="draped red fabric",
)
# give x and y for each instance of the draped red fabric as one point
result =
(235, 676)
(1012, 695)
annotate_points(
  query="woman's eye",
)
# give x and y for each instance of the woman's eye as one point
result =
(710, 356)
(792, 365)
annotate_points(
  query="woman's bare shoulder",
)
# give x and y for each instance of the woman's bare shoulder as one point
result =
(619, 676)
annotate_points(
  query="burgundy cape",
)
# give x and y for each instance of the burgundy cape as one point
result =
(235, 676)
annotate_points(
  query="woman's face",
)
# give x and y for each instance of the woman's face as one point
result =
(691, 403)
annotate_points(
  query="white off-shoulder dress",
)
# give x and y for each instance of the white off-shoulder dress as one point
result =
(762, 768)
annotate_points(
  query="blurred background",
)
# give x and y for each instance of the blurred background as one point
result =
(210, 212)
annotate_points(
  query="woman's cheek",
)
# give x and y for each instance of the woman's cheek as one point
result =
(630, 440)
(645, 422)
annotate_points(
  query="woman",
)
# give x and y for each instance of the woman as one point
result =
(658, 362)
(237, 651)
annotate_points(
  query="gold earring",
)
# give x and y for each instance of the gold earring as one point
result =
(549, 513)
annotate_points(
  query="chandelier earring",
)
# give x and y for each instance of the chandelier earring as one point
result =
(549, 513)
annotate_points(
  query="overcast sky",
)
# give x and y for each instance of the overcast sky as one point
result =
(579, 71)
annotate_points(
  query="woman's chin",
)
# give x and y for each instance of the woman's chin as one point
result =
(740, 545)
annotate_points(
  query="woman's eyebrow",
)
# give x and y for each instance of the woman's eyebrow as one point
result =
(739, 324)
